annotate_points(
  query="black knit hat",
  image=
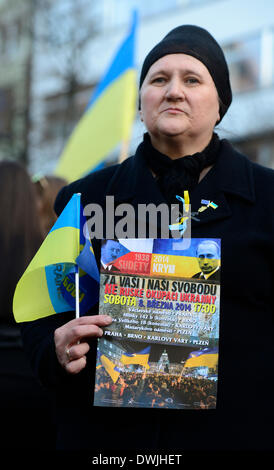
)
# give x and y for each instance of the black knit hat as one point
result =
(197, 42)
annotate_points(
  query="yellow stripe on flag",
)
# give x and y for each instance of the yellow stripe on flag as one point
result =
(102, 127)
(38, 292)
(60, 244)
(32, 286)
(109, 366)
(141, 359)
(31, 298)
(209, 360)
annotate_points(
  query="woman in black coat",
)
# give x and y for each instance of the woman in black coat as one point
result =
(184, 93)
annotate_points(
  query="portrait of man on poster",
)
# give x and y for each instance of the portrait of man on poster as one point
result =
(208, 256)
(110, 251)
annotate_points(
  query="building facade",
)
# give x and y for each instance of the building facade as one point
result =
(244, 29)
(15, 77)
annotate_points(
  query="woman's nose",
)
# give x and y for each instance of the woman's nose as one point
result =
(175, 89)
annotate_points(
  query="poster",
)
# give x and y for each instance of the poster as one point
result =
(161, 350)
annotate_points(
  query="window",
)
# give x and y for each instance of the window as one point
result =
(10, 35)
(3, 39)
(63, 112)
(243, 59)
(6, 112)
(251, 61)
(259, 150)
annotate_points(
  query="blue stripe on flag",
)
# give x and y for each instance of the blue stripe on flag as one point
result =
(143, 352)
(123, 60)
(70, 217)
(86, 261)
(54, 275)
(202, 352)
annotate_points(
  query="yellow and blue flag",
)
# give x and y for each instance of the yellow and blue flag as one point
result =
(89, 277)
(110, 367)
(40, 291)
(108, 118)
(140, 357)
(206, 357)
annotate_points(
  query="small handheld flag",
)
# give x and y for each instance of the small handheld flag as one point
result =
(40, 291)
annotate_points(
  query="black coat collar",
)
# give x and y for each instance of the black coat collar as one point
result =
(233, 174)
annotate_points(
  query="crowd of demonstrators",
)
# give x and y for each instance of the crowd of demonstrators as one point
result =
(155, 390)
(25, 407)
(47, 187)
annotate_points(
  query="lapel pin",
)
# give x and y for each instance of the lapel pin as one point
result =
(207, 204)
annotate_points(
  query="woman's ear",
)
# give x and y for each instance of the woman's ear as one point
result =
(219, 112)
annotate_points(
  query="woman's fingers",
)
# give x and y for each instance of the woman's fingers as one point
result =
(77, 351)
(77, 332)
(74, 367)
(76, 357)
(79, 328)
(69, 345)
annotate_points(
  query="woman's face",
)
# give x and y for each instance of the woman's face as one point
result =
(179, 99)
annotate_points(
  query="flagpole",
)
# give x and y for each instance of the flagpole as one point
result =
(77, 304)
(77, 296)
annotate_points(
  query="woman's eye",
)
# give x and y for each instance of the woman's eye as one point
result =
(158, 80)
(192, 80)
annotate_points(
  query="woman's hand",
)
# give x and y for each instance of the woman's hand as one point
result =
(70, 345)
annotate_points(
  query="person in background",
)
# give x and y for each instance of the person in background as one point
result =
(25, 407)
(47, 188)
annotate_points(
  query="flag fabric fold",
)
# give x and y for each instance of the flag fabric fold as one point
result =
(110, 367)
(108, 118)
(140, 358)
(206, 357)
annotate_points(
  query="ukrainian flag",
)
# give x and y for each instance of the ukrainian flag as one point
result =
(110, 367)
(108, 118)
(141, 358)
(38, 293)
(204, 358)
(89, 277)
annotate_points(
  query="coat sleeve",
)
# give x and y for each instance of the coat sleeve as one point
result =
(38, 341)
(38, 336)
